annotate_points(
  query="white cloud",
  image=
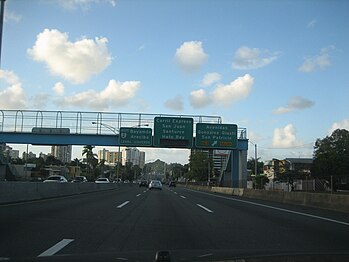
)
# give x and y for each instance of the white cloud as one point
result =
(175, 104)
(199, 98)
(318, 62)
(295, 103)
(254, 137)
(83, 4)
(253, 58)
(58, 88)
(116, 94)
(210, 78)
(236, 90)
(74, 61)
(312, 23)
(285, 137)
(12, 96)
(40, 100)
(344, 124)
(142, 105)
(141, 47)
(12, 16)
(190, 56)
(224, 95)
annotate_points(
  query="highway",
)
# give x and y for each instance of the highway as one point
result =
(132, 223)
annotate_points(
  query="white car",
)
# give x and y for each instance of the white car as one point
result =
(155, 184)
(102, 180)
(56, 179)
(79, 179)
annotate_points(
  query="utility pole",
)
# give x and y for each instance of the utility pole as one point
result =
(1, 23)
(255, 160)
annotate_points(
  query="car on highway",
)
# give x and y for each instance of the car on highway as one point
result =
(172, 184)
(126, 181)
(102, 180)
(155, 184)
(117, 180)
(56, 179)
(79, 179)
(143, 183)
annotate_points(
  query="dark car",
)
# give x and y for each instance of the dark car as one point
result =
(143, 183)
(172, 184)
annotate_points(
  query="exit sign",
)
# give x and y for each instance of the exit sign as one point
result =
(173, 132)
(218, 136)
(135, 136)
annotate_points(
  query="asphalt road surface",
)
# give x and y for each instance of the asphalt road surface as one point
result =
(132, 223)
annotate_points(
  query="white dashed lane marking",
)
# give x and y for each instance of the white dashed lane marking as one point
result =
(205, 208)
(123, 204)
(57, 247)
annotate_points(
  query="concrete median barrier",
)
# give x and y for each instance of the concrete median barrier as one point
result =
(336, 202)
(23, 191)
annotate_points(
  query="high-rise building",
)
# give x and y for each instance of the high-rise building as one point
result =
(110, 157)
(62, 153)
(113, 157)
(134, 156)
(103, 155)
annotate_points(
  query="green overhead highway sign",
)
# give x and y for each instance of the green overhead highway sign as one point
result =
(219, 136)
(173, 132)
(135, 136)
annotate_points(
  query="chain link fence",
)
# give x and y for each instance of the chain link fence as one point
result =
(311, 184)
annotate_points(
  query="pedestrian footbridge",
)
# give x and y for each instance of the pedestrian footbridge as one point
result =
(103, 129)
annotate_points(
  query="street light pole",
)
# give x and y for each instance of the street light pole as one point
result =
(255, 159)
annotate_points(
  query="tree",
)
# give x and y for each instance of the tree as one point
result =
(91, 158)
(52, 161)
(331, 155)
(200, 165)
(75, 162)
(251, 165)
(260, 181)
(101, 168)
(175, 170)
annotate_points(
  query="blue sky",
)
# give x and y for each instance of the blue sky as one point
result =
(278, 68)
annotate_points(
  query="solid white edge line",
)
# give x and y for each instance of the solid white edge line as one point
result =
(275, 208)
(123, 204)
(205, 208)
(57, 247)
